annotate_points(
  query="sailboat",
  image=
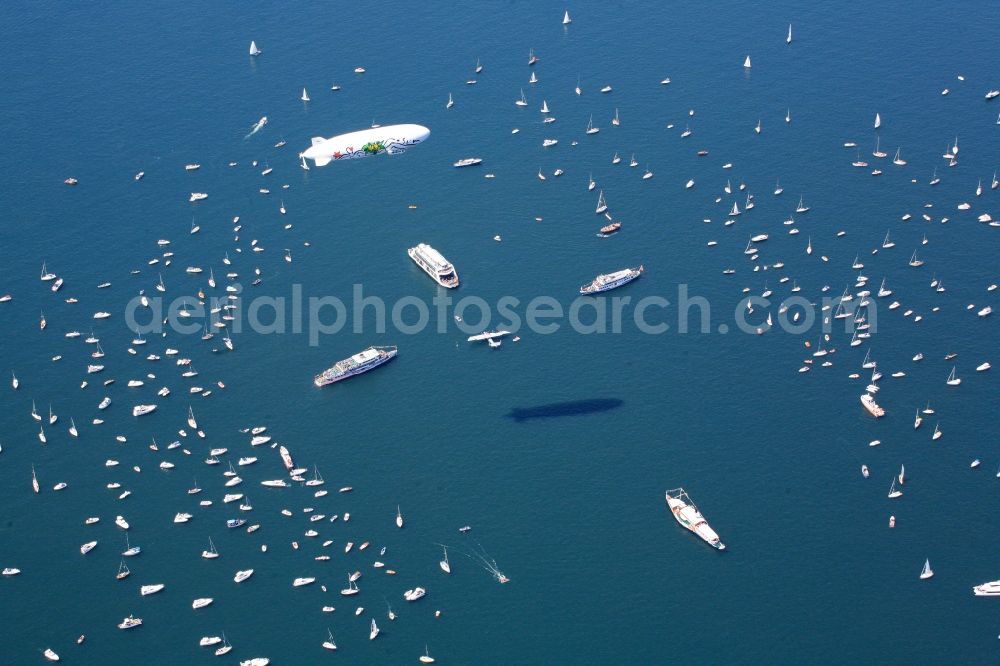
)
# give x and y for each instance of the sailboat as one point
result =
(254, 51)
(878, 152)
(778, 189)
(123, 571)
(893, 491)
(399, 517)
(591, 184)
(426, 657)
(937, 432)
(979, 188)
(788, 115)
(329, 643)
(916, 263)
(305, 95)
(190, 420)
(616, 121)
(601, 204)
(479, 66)
(788, 39)
(317, 479)
(926, 572)
(952, 379)
(566, 19)
(34, 479)
(801, 208)
(13, 380)
(757, 128)
(878, 121)
(226, 646)
(445, 564)
(590, 126)
(746, 63)
(809, 245)
(897, 160)
(211, 553)
(450, 103)
(917, 420)
(72, 427)
(902, 474)
(886, 244)
(545, 107)
(522, 101)
(374, 631)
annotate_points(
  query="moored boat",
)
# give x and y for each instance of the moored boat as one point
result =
(688, 515)
(868, 402)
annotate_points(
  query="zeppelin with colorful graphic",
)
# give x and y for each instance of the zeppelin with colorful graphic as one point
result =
(388, 140)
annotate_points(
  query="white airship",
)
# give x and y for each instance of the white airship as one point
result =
(390, 140)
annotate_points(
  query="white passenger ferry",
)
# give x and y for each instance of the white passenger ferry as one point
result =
(435, 265)
(611, 281)
(688, 516)
(355, 365)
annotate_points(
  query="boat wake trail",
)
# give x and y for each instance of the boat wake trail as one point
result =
(570, 408)
(482, 558)
(257, 126)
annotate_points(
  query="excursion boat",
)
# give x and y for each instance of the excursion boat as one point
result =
(611, 281)
(434, 264)
(141, 410)
(990, 589)
(688, 515)
(868, 402)
(610, 228)
(355, 365)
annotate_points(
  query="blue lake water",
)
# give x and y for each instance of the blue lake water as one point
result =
(569, 502)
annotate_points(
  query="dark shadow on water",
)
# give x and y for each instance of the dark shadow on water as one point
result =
(571, 408)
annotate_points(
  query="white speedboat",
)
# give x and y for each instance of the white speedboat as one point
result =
(414, 594)
(242, 575)
(990, 589)
(146, 590)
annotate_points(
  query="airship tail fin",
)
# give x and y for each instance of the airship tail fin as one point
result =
(317, 139)
(321, 161)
